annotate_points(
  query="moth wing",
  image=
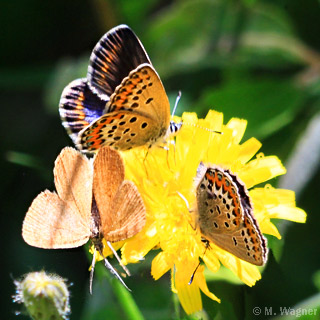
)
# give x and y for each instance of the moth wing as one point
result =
(127, 214)
(73, 176)
(107, 177)
(52, 223)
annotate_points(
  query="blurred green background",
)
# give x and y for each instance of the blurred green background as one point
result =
(254, 59)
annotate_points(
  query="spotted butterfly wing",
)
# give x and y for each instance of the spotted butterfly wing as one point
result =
(116, 54)
(97, 111)
(139, 114)
(84, 100)
(225, 215)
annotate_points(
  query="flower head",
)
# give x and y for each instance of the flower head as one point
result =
(45, 296)
(165, 178)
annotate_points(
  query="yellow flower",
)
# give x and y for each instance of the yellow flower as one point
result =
(165, 179)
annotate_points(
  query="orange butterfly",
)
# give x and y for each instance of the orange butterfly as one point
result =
(122, 103)
(92, 202)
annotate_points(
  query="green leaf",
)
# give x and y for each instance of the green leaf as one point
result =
(268, 105)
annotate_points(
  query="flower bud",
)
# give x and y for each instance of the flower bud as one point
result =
(45, 296)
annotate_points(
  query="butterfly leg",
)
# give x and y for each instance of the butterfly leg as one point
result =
(118, 258)
(93, 263)
(99, 247)
(195, 270)
(114, 272)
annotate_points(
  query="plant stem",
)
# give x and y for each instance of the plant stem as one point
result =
(126, 301)
(176, 305)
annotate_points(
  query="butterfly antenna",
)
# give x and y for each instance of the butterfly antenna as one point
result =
(118, 258)
(203, 128)
(175, 127)
(176, 103)
(93, 263)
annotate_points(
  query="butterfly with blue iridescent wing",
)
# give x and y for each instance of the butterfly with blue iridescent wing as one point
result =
(122, 103)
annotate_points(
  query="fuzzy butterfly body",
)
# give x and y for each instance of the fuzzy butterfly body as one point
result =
(225, 215)
(122, 103)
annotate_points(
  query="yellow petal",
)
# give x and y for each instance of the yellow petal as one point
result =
(189, 295)
(248, 149)
(161, 264)
(247, 272)
(202, 284)
(133, 251)
(211, 260)
(288, 213)
(277, 203)
(238, 127)
(269, 228)
(261, 170)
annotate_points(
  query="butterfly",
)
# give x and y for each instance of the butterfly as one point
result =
(225, 215)
(122, 103)
(93, 201)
